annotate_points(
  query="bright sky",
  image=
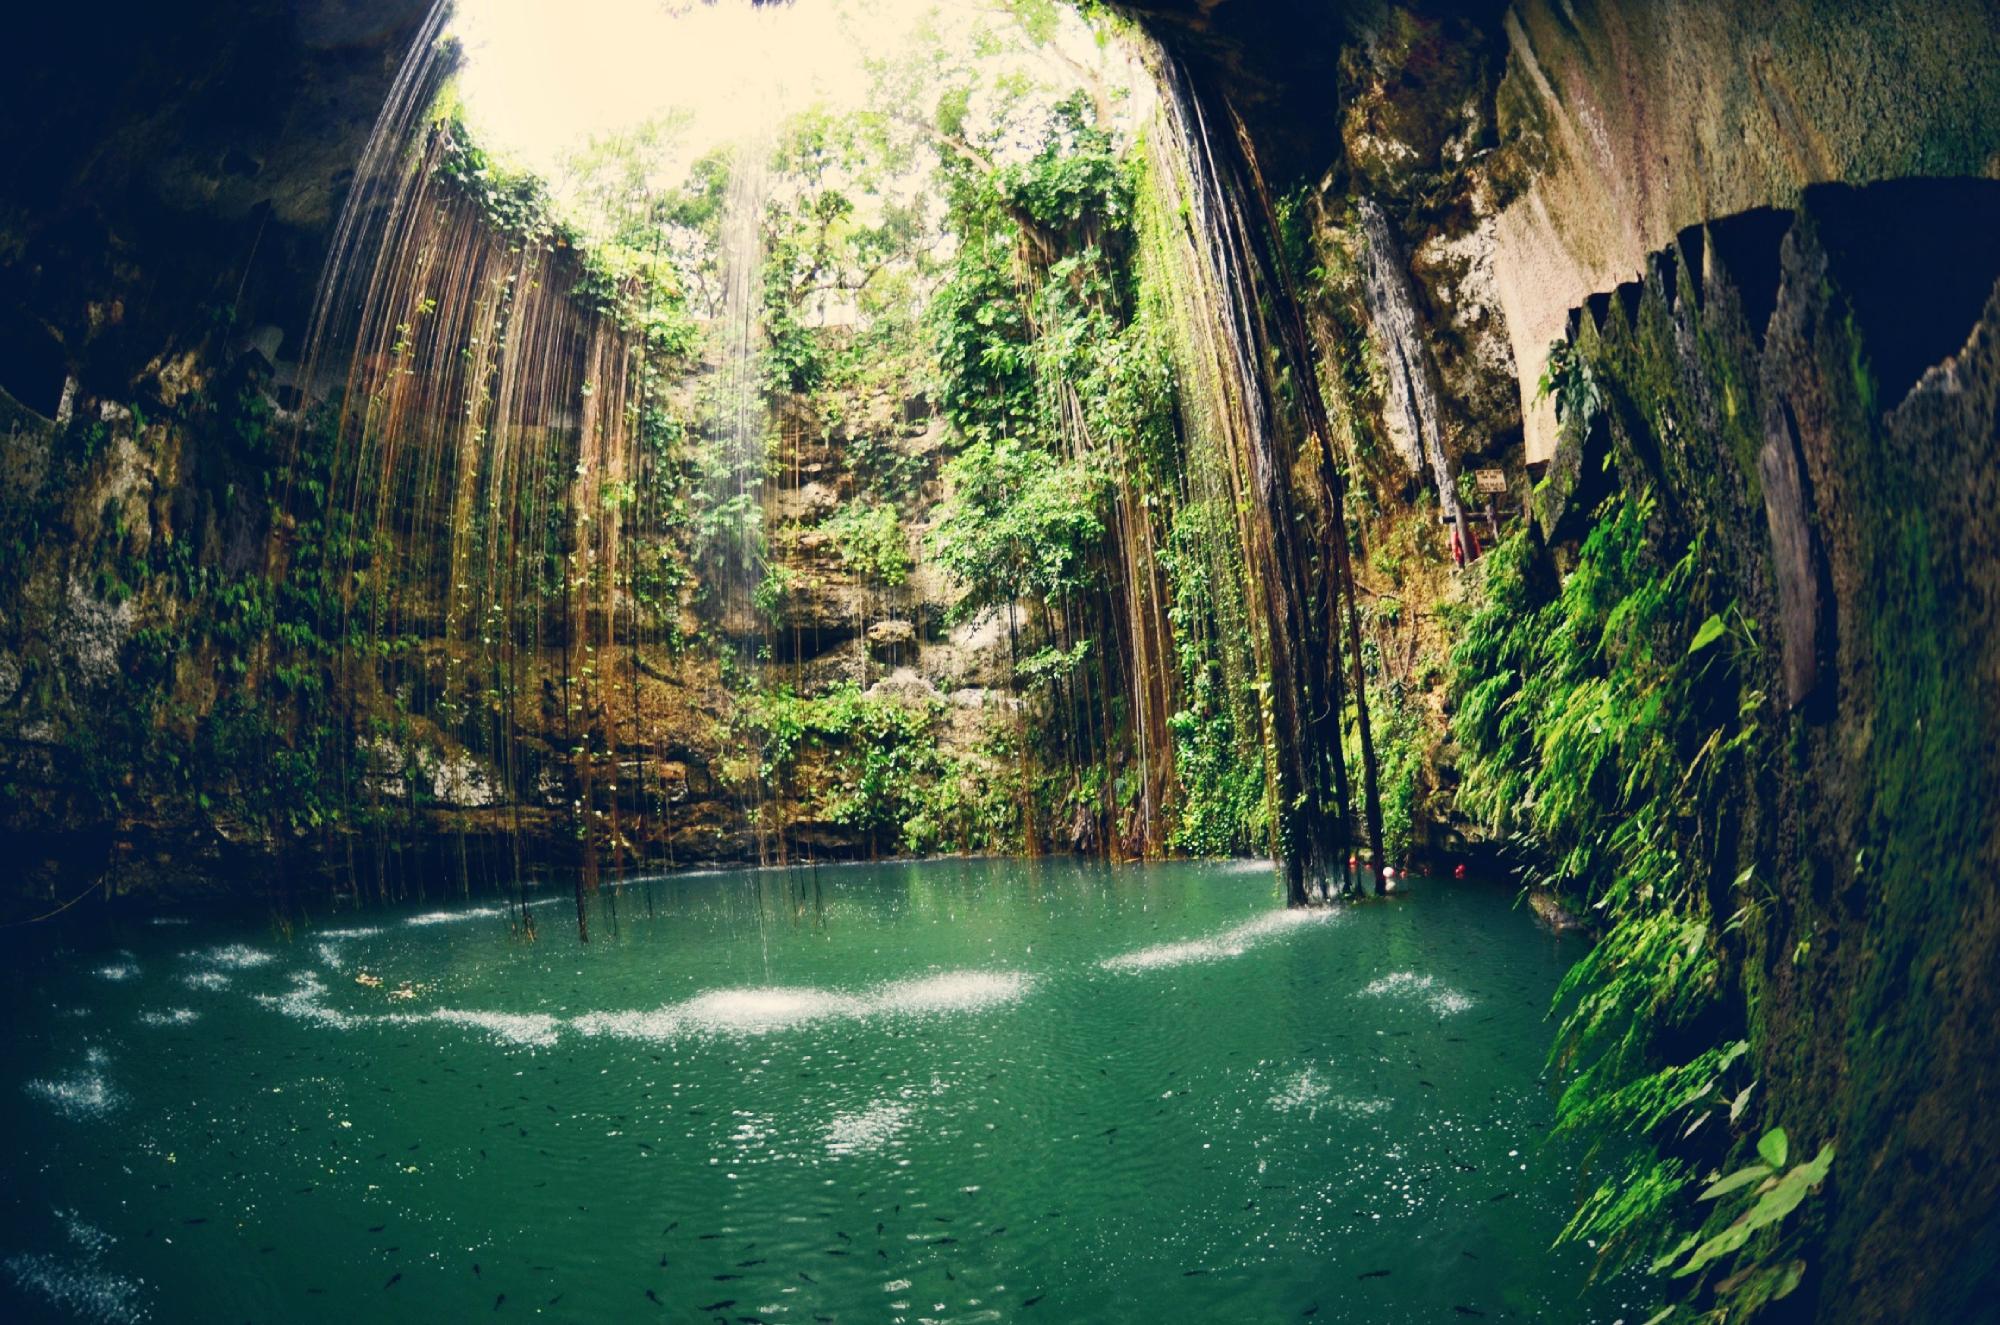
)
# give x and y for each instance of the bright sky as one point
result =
(541, 79)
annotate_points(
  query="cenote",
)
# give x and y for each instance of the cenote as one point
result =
(1014, 660)
(923, 1091)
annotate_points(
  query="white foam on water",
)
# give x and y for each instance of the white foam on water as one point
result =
(88, 1238)
(1440, 998)
(82, 1290)
(723, 1011)
(167, 1016)
(77, 1094)
(205, 980)
(772, 1008)
(450, 917)
(1308, 1091)
(358, 932)
(329, 955)
(1304, 1090)
(1232, 942)
(234, 957)
(529, 1028)
(866, 1129)
(954, 991)
(306, 1000)
(168, 920)
(116, 971)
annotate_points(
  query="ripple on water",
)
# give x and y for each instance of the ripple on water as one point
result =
(167, 1016)
(205, 980)
(1441, 998)
(1232, 942)
(117, 971)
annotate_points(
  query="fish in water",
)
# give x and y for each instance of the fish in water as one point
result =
(943, 1242)
(1189, 1274)
(1373, 1274)
(808, 1278)
(724, 1278)
(378, 1228)
(744, 1265)
(842, 1236)
(557, 1298)
(1036, 1298)
(723, 1305)
(670, 1228)
(1466, 1311)
(654, 1298)
(394, 1279)
(708, 1237)
(475, 1269)
(1468, 1255)
(201, 1220)
(663, 1260)
(1312, 1310)
(499, 1301)
(302, 1191)
(835, 1251)
(994, 1233)
(1500, 1196)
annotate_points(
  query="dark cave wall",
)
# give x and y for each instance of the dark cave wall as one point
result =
(174, 174)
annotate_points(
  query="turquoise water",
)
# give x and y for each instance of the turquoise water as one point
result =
(944, 1091)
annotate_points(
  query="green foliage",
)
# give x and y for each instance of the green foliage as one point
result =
(1570, 379)
(1020, 525)
(1605, 728)
(877, 767)
(872, 541)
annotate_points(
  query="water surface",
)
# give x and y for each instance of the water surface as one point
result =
(945, 1091)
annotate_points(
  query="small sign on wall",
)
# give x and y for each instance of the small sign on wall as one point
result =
(1490, 480)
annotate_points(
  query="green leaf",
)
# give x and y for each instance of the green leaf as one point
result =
(1774, 1147)
(1740, 1178)
(1711, 631)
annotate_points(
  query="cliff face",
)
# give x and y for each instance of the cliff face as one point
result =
(1812, 394)
(1642, 119)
